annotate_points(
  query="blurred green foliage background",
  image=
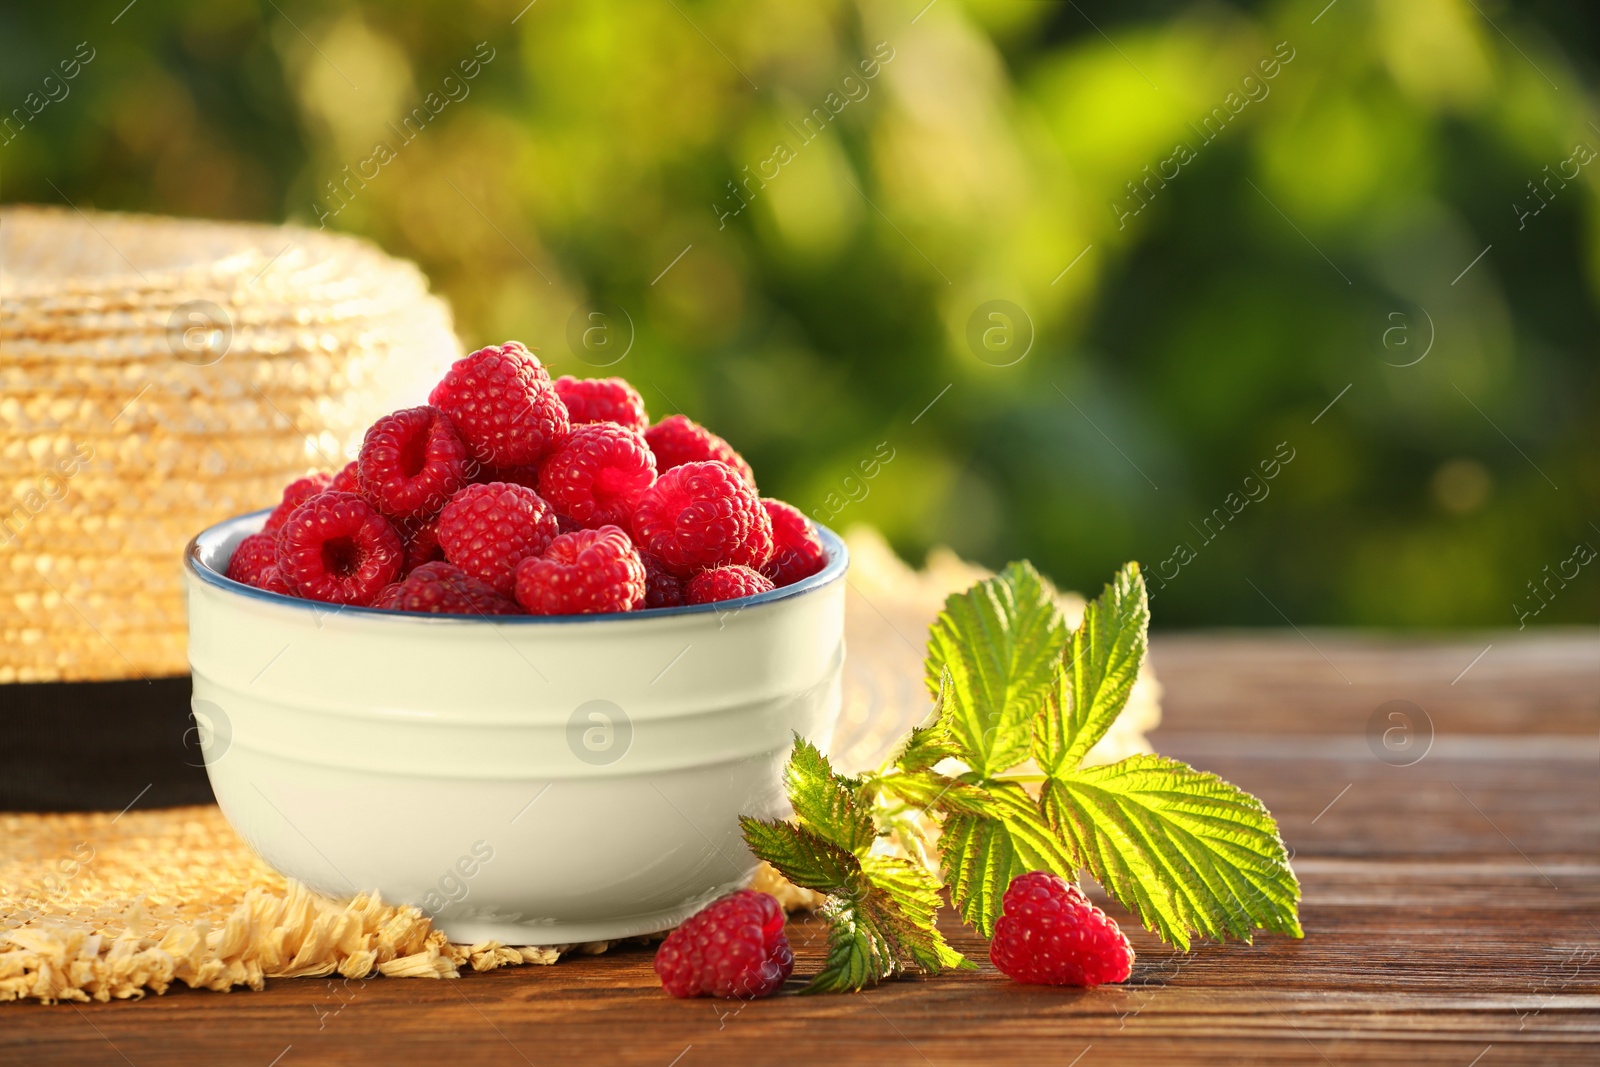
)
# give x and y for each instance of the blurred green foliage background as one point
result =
(1172, 330)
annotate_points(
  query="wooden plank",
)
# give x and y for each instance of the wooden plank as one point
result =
(1329, 683)
(1452, 914)
(609, 1010)
(1395, 954)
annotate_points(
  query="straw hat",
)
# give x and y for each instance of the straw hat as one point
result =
(157, 375)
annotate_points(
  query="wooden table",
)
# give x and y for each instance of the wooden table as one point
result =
(1452, 910)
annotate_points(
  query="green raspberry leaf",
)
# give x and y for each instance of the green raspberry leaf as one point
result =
(932, 791)
(985, 846)
(1191, 854)
(825, 801)
(802, 857)
(882, 924)
(979, 863)
(1000, 641)
(861, 950)
(915, 893)
(1101, 663)
(933, 740)
(1187, 851)
(881, 910)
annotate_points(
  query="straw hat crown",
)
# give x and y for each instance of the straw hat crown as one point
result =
(157, 375)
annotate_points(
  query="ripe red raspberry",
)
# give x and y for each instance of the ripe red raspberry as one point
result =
(296, 493)
(733, 948)
(677, 440)
(253, 557)
(702, 515)
(725, 583)
(347, 480)
(503, 405)
(662, 588)
(583, 573)
(337, 548)
(411, 463)
(602, 400)
(487, 530)
(1049, 933)
(421, 540)
(272, 581)
(797, 551)
(444, 589)
(597, 477)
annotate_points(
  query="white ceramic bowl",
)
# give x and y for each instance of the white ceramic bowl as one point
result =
(529, 780)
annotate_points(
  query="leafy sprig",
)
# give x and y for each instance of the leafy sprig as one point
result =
(1187, 852)
(881, 908)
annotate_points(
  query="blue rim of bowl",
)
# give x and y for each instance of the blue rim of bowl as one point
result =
(832, 543)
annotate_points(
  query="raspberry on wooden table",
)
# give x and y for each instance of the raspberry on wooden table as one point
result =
(602, 400)
(412, 462)
(487, 530)
(1049, 933)
(253, 557)
(725, 583)
(597, 477)
(734, 948)
(336, 547)
(296, 493)
(702, 515)
(662, 588)
(503, 405)
(797, 551)
(444, 589)
(677, 440)
(583, 573)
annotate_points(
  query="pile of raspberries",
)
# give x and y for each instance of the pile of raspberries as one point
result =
(509, 493)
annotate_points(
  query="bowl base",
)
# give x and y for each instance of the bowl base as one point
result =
(476, 931)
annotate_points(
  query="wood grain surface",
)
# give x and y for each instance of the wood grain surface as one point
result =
(1452, 910)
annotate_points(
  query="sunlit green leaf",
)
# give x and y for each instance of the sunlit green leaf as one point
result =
(860, 951)
(803, 857)
(982, 852)
(1000, 641)
(932, 741)
(1187, 851)
(824, 801)
(1101, 663)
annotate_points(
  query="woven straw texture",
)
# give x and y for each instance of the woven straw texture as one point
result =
(116, 905)
(159, 375)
